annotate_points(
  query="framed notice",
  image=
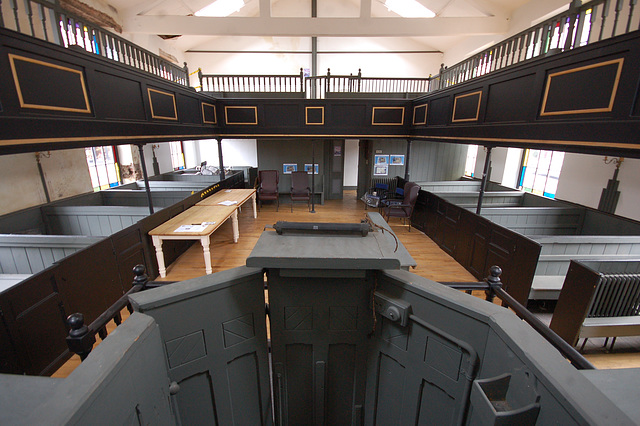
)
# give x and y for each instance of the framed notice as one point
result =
(307, 168)
(380, 169)
(396, 160)
(288, 168)
(381, 159)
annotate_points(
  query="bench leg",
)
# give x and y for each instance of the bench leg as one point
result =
(157, 242)
(613, 342)
(253, 204)
(584, 342)
(234, 225)
(207, 254)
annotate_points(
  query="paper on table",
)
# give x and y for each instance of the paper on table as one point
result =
(191, 228)
(228, 203)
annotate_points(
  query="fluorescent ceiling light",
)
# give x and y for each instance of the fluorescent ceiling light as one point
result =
(408, 9)
(221, 8)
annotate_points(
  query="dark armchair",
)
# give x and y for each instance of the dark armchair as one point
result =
(300, 190)
(404, 209)
(268, 187)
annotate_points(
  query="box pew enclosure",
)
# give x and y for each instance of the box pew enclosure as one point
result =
(76, 255)
(563, 231)
(354, 340)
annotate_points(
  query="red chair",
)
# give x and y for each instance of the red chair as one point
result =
(300, 190)
(405, 208)
(268, 187)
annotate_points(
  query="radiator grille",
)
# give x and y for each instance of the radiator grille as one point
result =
(616, 295)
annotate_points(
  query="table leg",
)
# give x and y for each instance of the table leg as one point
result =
(253, 201)
(157, 242)
(207, 254)
(234, 225)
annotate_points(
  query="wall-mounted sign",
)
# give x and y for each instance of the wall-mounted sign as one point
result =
(288, 168)
(396, 160)
(381, 159)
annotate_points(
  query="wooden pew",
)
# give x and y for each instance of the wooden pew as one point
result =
(558, 251)
(30, 254)
(599, 299)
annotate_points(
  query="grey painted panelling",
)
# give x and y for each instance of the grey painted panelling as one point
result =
(29, 254)
(538, 221)
(92, 221)
(435, 161)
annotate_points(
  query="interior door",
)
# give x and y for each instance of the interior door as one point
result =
(334, 169)
(422, 359)
(215, 339)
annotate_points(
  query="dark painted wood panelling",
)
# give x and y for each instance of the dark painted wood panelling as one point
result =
(420, 115)
(287, 115)
(47, 84)
(477, 243)
(163, 104)
(439, 111)
(349, 115)
(118, 97)
(209, 113)
(387, 115)
(241, 115)
(466, 107)
(510, 100)
(189, 109)
(583, 88)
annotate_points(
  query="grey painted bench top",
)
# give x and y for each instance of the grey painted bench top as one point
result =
(375, 251)
(621, 385)
(9, 280)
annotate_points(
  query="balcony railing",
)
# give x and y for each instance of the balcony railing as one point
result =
(252, 83)
(581, 25)
(46, 20)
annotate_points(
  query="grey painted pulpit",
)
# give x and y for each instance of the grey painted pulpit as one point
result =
(350, 338)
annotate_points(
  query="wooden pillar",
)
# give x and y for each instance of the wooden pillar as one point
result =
(222, 175)
(146, 178)
(483, 184)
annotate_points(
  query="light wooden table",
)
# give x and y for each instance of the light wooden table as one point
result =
(239, 196)
(195, 215)
(207, 210)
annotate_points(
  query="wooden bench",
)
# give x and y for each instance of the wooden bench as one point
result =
(558, 251)
(599, 299)
(489, 199)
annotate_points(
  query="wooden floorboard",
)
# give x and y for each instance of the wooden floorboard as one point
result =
(433, 263)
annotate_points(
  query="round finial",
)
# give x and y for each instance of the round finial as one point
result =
(495, 271)
(140, 278)
(75, 321)
(174, 388)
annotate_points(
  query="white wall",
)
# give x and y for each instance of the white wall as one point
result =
(584, 176)
(372, 64)
(235, 152)
(65, 172)
(351, 151)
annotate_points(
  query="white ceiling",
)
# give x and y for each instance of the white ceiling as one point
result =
(455, 21)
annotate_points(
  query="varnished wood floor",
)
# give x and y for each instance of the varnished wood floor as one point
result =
(433, 263)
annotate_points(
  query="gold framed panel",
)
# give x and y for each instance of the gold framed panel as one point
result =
(23, 104)
(249, 123)
(373, 116)
(306, 116)
(614, 89)
(455, 102)
(424, 119)
(173, 98)
(215, 114)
